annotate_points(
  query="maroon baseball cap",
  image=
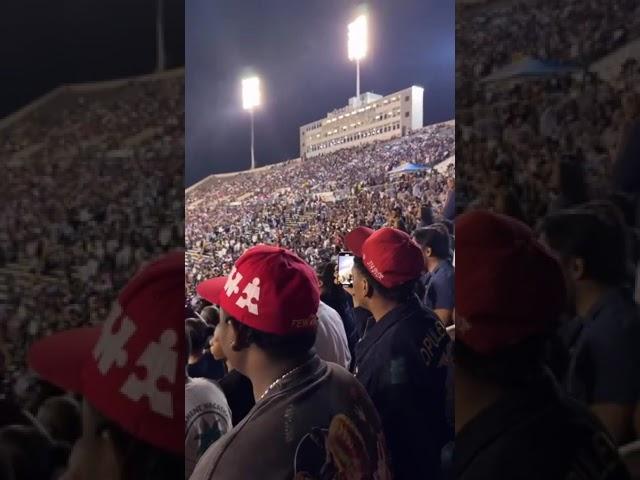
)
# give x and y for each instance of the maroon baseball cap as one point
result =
(389, 255)
(270, 289)
(508, 286)
(131, 368)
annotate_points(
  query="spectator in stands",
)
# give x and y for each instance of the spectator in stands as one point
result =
(331, 339)
(439, 279)
(402, 359)
(127, 437)
(65, 221)
(449, 209)
(211, 315)
(604, 368)
(426, 216)
(199, 333)
(335, 297)
(207, 414)
(217, 230)
(61, 417)
(201, 362)
(269, 307)
(512, 419)
(30, 454)
(237, 387)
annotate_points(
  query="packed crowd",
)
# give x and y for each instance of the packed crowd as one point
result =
(573, 31)
(558, 153)
(306, 205)
(313, 210)
(93, 188)
(529, 144)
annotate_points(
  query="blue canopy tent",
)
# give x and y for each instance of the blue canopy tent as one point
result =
(408, 167)
(530, 68)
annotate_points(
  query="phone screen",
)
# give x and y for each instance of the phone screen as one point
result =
(345, 266)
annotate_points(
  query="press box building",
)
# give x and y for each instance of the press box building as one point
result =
(365, 119)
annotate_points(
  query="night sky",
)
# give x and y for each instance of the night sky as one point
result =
(299, 50)
(46, 43)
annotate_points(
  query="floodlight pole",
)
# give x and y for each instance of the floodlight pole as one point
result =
(160, 52)
(358, 79)
(253, 158)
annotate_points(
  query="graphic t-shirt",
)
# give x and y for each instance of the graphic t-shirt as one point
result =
(207, 418)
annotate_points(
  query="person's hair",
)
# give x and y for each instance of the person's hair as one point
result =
(584, 233)
(140, 460)
(29, 454)
(400, 294)
(513, 367)
(572, 181)
(276, 346)
(434, 237)
(426, 214)
(199, 333)
(327, 272)
(211, 315)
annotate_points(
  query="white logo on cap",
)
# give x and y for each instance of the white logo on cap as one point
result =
(233, 280)
(110, 347)
(251, 292)
(160, 360)
(374, 270)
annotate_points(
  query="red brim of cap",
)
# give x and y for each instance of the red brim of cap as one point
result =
(60, 358)
(212, 289)
(356, 238)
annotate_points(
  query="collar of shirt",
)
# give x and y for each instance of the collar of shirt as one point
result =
(307, 372)
(390, 319)
(607, 298)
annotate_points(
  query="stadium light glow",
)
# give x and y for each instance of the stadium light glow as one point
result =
(250, 93)
(357, 45)
(251, 99)
(357, 38)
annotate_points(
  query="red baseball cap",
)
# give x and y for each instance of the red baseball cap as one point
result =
(270, 289)
(131, 369)
(508, 286)
(389, 255)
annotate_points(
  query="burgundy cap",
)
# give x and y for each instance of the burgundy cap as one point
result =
(270, 289)
(389, 255)
(508, 286)
(130, 369)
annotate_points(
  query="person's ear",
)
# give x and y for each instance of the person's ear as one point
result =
(367, 288)
(428, 251)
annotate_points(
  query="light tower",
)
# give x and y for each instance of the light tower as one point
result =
(250, 100)
(357, 45)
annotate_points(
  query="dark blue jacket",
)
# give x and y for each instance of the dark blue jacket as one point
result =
(404, 363)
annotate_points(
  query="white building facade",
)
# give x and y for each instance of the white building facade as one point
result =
(367, 118)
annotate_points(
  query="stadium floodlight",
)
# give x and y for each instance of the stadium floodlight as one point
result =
(250, 100)
(357, 45)
(250, 93)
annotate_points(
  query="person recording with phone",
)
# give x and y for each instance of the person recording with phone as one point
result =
(403, 358)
